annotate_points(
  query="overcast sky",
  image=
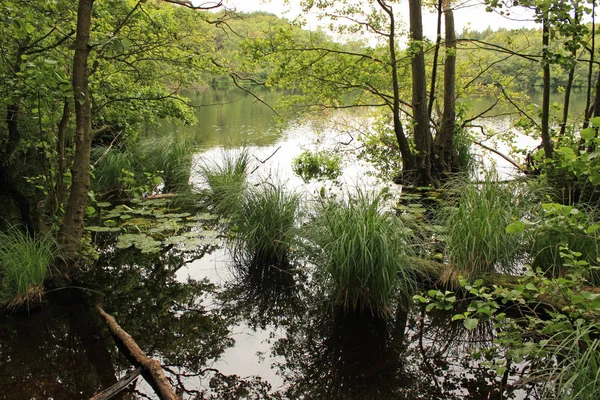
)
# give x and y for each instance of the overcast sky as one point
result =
(472, 14)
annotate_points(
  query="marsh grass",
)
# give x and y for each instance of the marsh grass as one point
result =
(169, 157)
(119, 169)
(476, 237)
(24, 262)
(265, 226)
(226, 180)
(574, 371)
(109, 167)
(362, 254)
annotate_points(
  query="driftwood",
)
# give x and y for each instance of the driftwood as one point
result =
(151, 367)
(115, 389)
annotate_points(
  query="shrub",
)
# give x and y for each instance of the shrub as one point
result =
(319, 166)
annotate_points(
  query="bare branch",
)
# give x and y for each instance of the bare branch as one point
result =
(189, 4)
(507, 97)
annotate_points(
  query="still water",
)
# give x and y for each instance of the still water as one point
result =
(225, 333)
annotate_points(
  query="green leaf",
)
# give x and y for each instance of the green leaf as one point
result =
(458, 316)
(470, 323)
(531, 286)
(588, 133)
(90, 210)
(516, 227)
(595, 122)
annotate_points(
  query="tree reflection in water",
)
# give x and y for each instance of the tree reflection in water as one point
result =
(64, 351)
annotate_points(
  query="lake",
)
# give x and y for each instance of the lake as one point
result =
(224, 333)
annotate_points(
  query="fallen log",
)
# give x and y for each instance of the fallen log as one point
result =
(115, 389)
(150, 366)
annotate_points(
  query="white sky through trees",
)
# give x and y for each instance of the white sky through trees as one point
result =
(469, 13)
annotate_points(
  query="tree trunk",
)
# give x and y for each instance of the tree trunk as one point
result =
(61, 145)
(546, 143)
(436, 54)
(444, 139)
(422, 131)
(408, 161)
(569, 87)
(152, 368)
(71, 230)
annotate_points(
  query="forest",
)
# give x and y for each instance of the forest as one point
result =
(202, 203)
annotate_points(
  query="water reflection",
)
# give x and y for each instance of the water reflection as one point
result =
(229, 117)
(340, 356)
(266, 294)
(56, 352)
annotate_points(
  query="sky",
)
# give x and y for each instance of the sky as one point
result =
(470, 14)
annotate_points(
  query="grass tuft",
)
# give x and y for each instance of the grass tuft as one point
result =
(266, 226)
(171, 158)
(476, 237)
(362, 254)
(226, 180)
(24, 262)
(574, 372)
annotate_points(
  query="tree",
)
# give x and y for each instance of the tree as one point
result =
(128, 64)
(325, 70)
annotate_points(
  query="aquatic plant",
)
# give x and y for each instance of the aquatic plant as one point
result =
(362, 254)
(574, 371)
(226, 180)
(110, 165)
(476, 238)
(168, 157)
(24, 262)
(317, 165)
(265, 226)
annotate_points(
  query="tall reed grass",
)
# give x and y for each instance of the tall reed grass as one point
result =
(476, 237)
(362, 254)
(226, 180)
(171, 157)
(574, 367)
(24, 262)
(266, 226)
(556, 231)
(117, 169)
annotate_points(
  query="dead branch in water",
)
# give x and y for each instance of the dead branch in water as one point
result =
(151, 367)
(118, 387)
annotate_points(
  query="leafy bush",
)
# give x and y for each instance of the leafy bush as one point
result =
(24, 262)
(319, 166)
(362, 254)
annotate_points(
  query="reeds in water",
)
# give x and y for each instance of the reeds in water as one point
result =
(476, 237)
(265, 226)
(226, 180)
(362, 254)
